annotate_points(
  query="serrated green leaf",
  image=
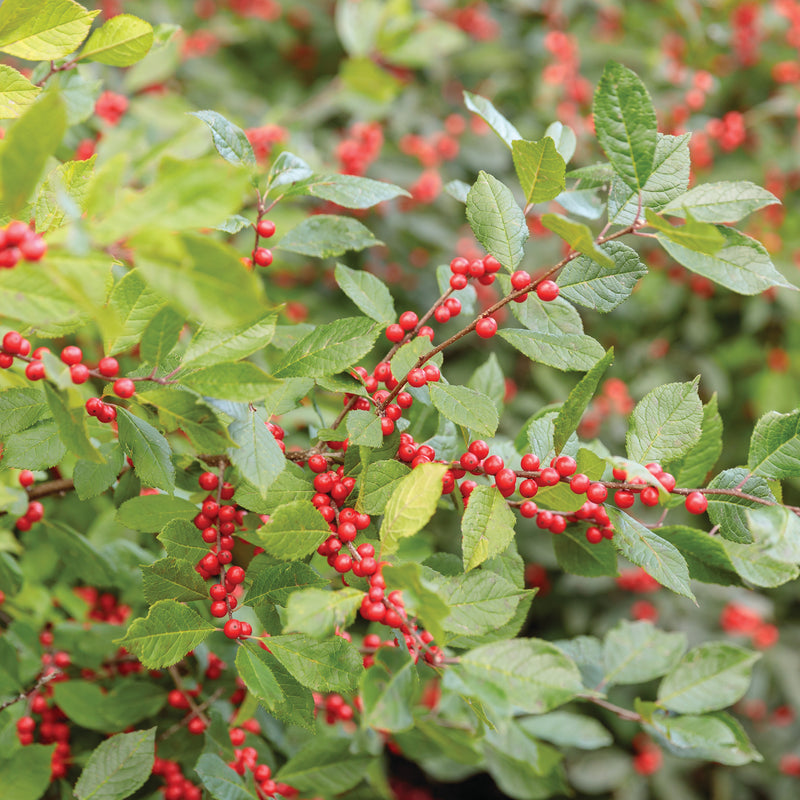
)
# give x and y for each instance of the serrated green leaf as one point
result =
(92, 479)
(229, 139)
(276, 583)
(287, 168)
(411, 505)
(729, 510)
(368, 292)
(38, 447)
(775, 446)
(564, 352)
(324, 764)
(294, 531)
(241, 381)
(757, 568)
(168, 632)
(348, 191)
(540, 169)
(488, 379)
(708, 678)
(705, 555)
(332, 665)
(492, 117)
(154, 512)
(467, 407)
(133, 304)
(161, 335)
(578, 236)
(290, 485)
(319, 613)
(487, 527)
(253, 668)
(565, 729)
(21, 408)
(149, 450)
(496, 220)
(699, 237)
(377, 484)
(636, 652)
(328, 349)
(364, 428)
(26, 772)
(327, 236)
(16, 92)
(221, 780)
(36, 33)
(180, 540)
(721, 201)
(654, 554)
(692, 468)
(625, 123)
(742, 264)
(211, 346)
(571, 411)
(578, 557)
(63, 194)
(172, 579)
(120, 41)
(257, 455)
(74, 548)
(564, 139)
(666, 423)
(388, 690)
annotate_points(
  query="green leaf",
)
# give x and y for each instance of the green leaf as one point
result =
(179, 538)
(253, 668)
(578, 557)
(168, 632)
(234, 224)
(364, 428)
(294, 531)
(487, 527)
(564, 139)
(161, 335)
(172, 579)
(31, 140)
(625, 124)
(721, 201)
(241, 381)
(729, 511)
(149, 450)
(39, 447)
(708, 678)
(421, 595)
(133, 304)
(348, 191)
(154, 512)
(332, 665)
(565, 351)
(668, 180)
(16, 93)
(742, 264)
(120, 41)
(467, 407)
(488, 379)
(276, 583)
(700, 237)
(63, 194)
(566, 729)
(367, 292)
(287, 168)
(531, 675)
(666, 423)
(496, 220)
(578, 236)
(71, 424)
(571, 411)
(290, 485)
(21, 408)
(211, 346)
(656, 556)
(324, 764)
(775, 446)
(319, 613)
(229, 139)
(490, 115)
(329, 349)
(540, 169)
(36, 33)
(327, 236)
(411, 505)
(636, 652)
(692, 468)
(26, 772)
(118, 766)
(90, 707)
(74, 549)
(257, 456)
(410, 353)
(377, 483)
(705, 555)
(757, 568)
(222, 781)
(388, 690)
(458, 190)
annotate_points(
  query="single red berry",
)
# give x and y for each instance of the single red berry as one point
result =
(565, 466)
(106, 413)
(667, 481)
(549, 477)
(317, 463)
(219, 608)
(486, 327)
(528, 487)
(404, 400)
(232, 629)
(266, 228)
(492, 465)
(16, 231)
(426, 331)
(71, 355)
(520, 279)
(227, 491)
(124, 387)
(624, 499)
(458, 282)
(491, 264)
(459, 266)
(387, 426)
(93, 406)
(79, 373)
(558, 525)
(395, 333)
(696, 502)
(262, 256)
(417, 377)
(547, 290)
(408, 320)
(530, 462)
(453, 305)
(594, 535)
(528, 509)
(26, 478)
(34, 371)
(442, 314)
(479, 448)
(596, 492)
(6, 360)
(108, 367)
(208, 481)
(32, 248)
(649, 496)
(235, 575)
(506, 479)
(12, 342)
(619, 473)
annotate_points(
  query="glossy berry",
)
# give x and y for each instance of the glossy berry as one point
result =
(417, 377)
(93, 406)
(492, 465)
(479, 448)
(79, 373)
(453, 305)
(442, 314)
(232, 629)
(262, 256)
(667, 481)
(71, 355)
(459, 266)
(579, 483)
(486, 327)
(528, 487)
(34, 371)
(594, 535)
(124, 387)
(408, 320)
(596, 492)
(395, 333)
(624, 499)
(547, 290)
(549, 476)
(432, 373)
(565, 466)
(528, 509)
(649, 496)
(266, 228)
(619, 473)
(506, 480)
(26, 478)
(32, 248)
(317, 463)
(696, 502)
(11, 342)
(235, 575)
(520, 279)
(530, 462)
(458, 282)
(208, 481)
(108, 367)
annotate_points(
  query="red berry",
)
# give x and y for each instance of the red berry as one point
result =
(417, 377)
(124, 387)
(107, 413)
(594, 535)
(71, 355)
(93, 406)
(506, 479)
(317, 463)
(458, 282)
(79, 373)
(235, 575)
(16, 231)
(453, 305)
(597, 493)
(387, 426)
(486, 327)
(579, 483)
(624, 499)
(491, 264)
(426, 330)
(479, 448)
(208, 481)
(619, 473)
(26, 478)
(459, 266)
(565, 466)
(476, 268)
(232, 629)
(262, 256)
(404, 400)
(528, 509)
(528, 487)
(108, 367)
(432, 372)
(6, 360)
(696, 502)
(266, 228)
(649, 496)
(492, 465)
(667, 481)
(395, 333)
(520, 279)
(219, 608)
(408, 320)
(547, 290)
(442, 314)
(34, 371)
(12, 342)
(530, 462)
(549, 477)
(32, 248)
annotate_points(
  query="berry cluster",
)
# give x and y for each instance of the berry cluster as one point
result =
(382, 374)
(246, 759)
(359, 148)
(35, 511)
(176, 785)
(261, 256)
(335, 707)
(19, 242)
